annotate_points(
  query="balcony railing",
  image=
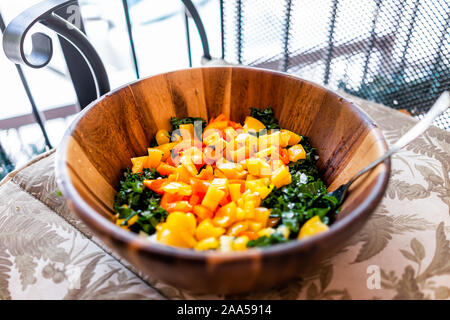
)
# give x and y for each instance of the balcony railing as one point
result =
(395, 52)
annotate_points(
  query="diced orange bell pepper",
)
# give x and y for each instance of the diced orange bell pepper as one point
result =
(225, 200)
(218, 125)
(139, 164)
(234, 125)
(166, 148)
(173, 161)
(169, 198)
(165, 169)
(219, 174)
(202, 212)
(179, 188)
(284, 156)
(250, 234)
(220, 117)
(206, 173)
(195, 199)
(182, 206)
(155, 185)
(199, 186)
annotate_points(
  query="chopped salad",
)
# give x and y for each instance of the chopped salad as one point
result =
(222, 185)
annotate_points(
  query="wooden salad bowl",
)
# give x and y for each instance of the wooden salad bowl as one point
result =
(120, 125)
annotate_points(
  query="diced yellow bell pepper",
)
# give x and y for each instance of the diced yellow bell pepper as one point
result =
(238, 155)
(251, 201)
(296, 153)
(179, 188)
(261, 215)
(154, 157)
(212, 137)
(265, 191)
(251, 177)
(312, 227)
(266, 152)
(266, 232)
(226, 215)
(240, 243)
(273, 139)
(187, 131)
(206, 229)
(240, 214)
(207, 244)
(293, 137)
(169, 237)
(260, 186)
(241, 203)
(195, 154)
(187, 162)
(180, 221)
(220, 183)
(255, 226)
(182, 175)
(212, 198)
(251, 123)
(284, 138)
(178, 230)
(258, 167)
(162, 137)
(235, 191)
(231, 170)
(281, 177)
(139, 164)
(237, 228)
(277, 164)
(166, 148)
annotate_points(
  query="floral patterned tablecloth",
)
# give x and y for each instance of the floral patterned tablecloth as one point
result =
(403, 252)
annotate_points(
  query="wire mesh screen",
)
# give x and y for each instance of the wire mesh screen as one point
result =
(395, 52)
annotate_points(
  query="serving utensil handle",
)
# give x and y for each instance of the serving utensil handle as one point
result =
(441, 104)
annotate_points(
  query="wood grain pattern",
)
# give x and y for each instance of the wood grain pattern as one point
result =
(99, 144)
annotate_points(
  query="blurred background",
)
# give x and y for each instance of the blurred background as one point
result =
(395, 52)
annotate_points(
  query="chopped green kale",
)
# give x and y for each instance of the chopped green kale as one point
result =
(266, 241)
(134, 199)
(266, 116)
(175, 122)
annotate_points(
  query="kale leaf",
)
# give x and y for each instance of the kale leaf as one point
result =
(134, 199)
(175, 122)
(266, 116)
(266, 241)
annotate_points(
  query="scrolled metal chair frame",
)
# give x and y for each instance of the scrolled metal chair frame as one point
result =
(42, 46)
